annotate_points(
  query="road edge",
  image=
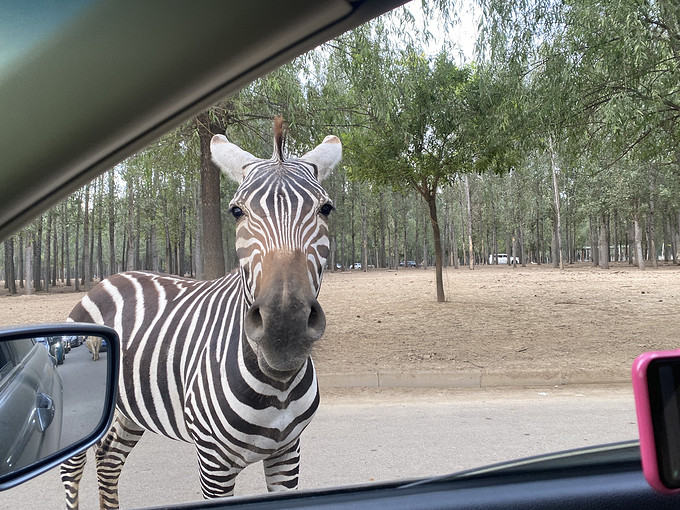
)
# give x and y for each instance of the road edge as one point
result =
(469, 379)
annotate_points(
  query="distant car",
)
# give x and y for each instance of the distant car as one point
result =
(503, 259)
(103, 347)
(28, 369)
(409, 263)
(356, 265)
(74, 341)
(55, 346)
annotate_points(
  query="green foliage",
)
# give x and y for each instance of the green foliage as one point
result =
(598, 78)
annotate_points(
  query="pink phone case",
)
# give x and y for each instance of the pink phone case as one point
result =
(650, 466)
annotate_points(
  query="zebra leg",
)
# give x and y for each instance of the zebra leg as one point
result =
(110, 455)
(217, 473)
(71, 474)
(281, 470)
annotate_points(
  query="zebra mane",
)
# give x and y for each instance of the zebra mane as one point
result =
(279, 139)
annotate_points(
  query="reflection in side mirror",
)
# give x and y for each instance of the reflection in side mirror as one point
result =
(57, 394)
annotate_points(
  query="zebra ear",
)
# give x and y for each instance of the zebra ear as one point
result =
(325, 156)
(232, 160)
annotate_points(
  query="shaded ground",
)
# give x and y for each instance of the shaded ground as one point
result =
(497, 319)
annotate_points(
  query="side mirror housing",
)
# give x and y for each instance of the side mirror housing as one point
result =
(53, 406)
(656, 386)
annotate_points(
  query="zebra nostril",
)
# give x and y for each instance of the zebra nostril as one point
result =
(254, 324)
(316, 322)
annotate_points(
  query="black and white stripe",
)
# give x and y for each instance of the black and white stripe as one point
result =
(216, 363)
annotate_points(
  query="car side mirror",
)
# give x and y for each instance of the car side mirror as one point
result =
(656, 386)
(58, 389)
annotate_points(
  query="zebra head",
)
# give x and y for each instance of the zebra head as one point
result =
(282, 244)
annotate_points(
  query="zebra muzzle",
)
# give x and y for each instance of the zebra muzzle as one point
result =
(284, 332)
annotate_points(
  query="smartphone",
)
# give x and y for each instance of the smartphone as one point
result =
(656, 385)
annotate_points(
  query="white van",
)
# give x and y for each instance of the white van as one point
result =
(503, 259)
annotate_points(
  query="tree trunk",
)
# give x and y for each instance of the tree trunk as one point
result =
(100, 225)
(471, 253)
(76, 254)
(334, 249)
(617, 254)
(22, 270)
(439, 260)
(37, 257)
(454, 245)
(55, 262)
(405, 227)
(425, 250)
(199, 268)
(112, 224)
(48, 252)
(395, 255)
(556, 192)
(665, 241)
(86, 275)
(90, 270)
(638, 243)
(652, 218)
(62, 245)
(603, 243)
(382, 262)
(67, 248)
(676, 246)
(10, 274)
(594, 242)
(554, 246)
(538, 238)
(630, 249)
(181, 257)
(364, 236)
(130, 230)
(494, 227)
(213, 251)
(138, 237)
(343, 253)
(28, 264)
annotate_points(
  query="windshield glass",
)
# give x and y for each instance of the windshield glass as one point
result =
(478, 270)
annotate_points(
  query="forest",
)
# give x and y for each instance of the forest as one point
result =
(557, 143)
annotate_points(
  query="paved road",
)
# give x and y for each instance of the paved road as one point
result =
(84, 390)
(363, 436)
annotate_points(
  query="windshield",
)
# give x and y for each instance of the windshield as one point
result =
(478, 270)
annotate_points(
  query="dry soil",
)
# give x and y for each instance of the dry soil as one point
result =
(496, 319)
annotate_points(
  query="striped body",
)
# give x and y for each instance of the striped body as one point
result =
(224, 364)
(186, 333)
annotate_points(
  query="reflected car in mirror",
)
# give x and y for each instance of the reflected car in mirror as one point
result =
(31, 403)
(51, 411)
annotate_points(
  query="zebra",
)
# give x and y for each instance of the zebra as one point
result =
(225, 364)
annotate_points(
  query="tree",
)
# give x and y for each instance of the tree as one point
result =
(416, 110)
(211, 212)
(10, 276)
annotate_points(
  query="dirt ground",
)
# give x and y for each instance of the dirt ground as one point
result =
(496, 318)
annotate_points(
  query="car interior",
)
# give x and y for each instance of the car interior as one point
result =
(85, 84)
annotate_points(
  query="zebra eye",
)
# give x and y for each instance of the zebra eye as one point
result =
(236, 212)
(326, 209)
